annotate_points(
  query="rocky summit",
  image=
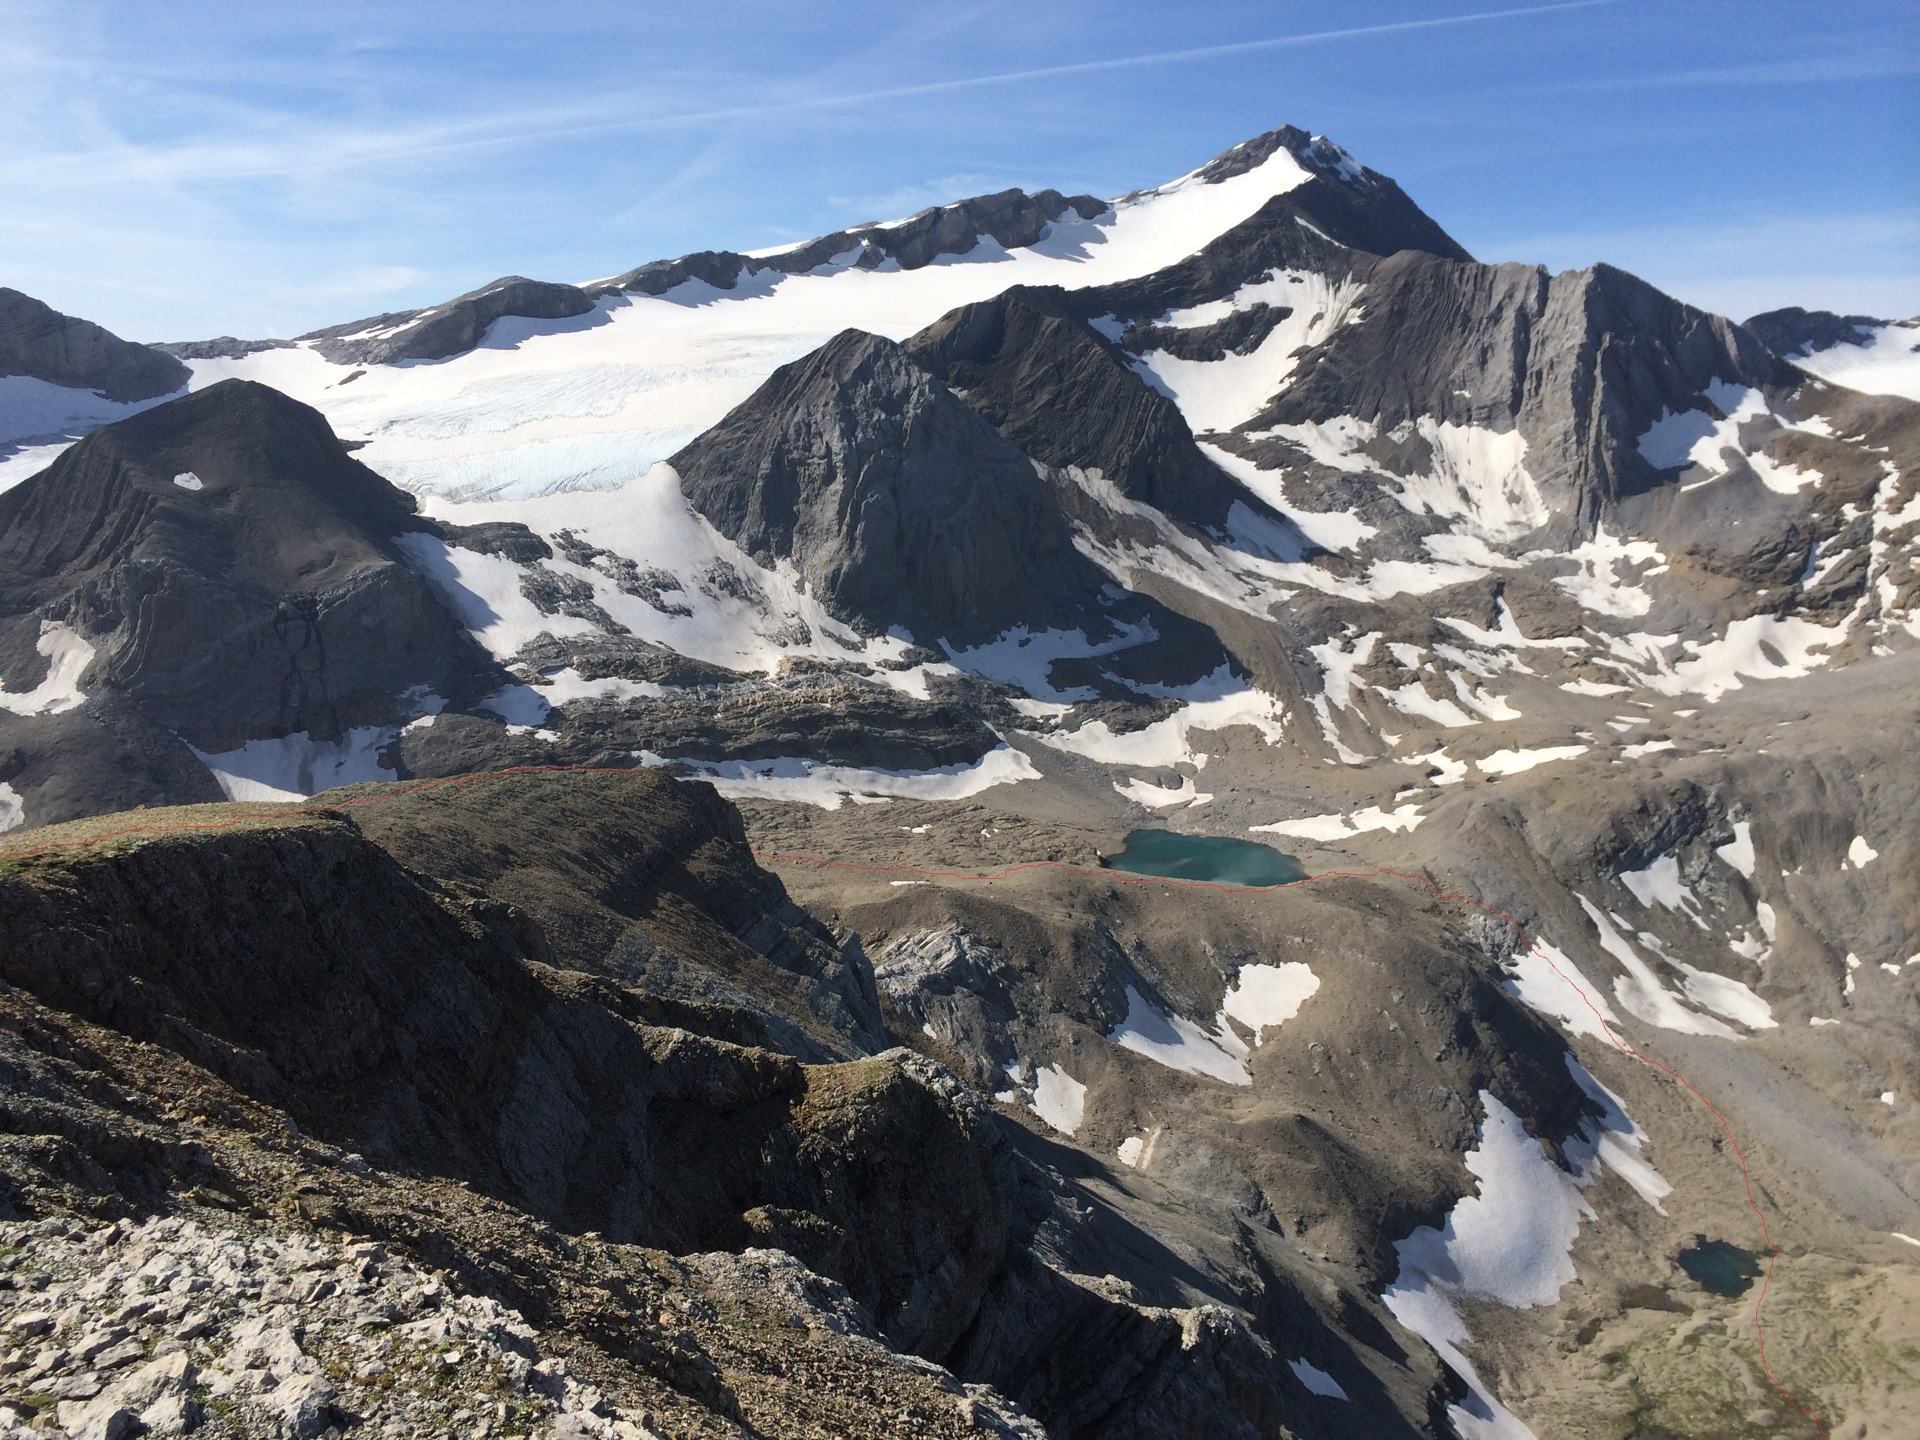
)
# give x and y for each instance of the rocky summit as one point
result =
(1193, 815)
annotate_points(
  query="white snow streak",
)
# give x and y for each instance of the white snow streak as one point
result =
(1512, 762)
(1159, 797)
(1551, 983)
(1316, 1379)
(1340, 827)
(1640, 990)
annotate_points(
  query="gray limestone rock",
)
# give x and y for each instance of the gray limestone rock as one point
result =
(1065, 395)
(897, 503)
(1793, 331)
(223, 347)
(37, 340)
(1012, 219)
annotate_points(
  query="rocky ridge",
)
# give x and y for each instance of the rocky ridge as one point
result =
(39, 342)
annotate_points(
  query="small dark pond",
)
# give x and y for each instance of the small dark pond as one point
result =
(1718, 1267)
(1205, 857)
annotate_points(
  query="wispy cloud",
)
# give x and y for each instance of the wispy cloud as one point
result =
(1800, 70)
(293, 146)
(262, 169)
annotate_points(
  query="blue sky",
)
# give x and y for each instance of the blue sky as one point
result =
(265, 168)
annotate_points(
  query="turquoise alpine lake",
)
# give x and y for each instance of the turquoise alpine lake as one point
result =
(1205, 857)
(1719, 1268)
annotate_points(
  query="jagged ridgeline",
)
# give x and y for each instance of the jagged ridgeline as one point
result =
(554, 847)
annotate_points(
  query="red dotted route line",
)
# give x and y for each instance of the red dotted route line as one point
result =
(1120, 876)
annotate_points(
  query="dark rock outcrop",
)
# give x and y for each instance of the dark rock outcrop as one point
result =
(448, 329)
(1582, 364)
(37, 340)
(1011, 218)
(295, 977)
(836, 722)
(650, 882)
(1794, 331)
(898, 503)
(222, 347)
(902, 504)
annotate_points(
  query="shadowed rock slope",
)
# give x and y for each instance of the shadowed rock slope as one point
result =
(890, 496)
(1065, 395)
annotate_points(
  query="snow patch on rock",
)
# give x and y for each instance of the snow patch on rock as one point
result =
(1327, 828)
(1316, 1380)
(1640, 991)
(292, 767)
(1179, 1044)
(1661, 884)
(1479, 477)
(1544, 978)
(1599, 584)
(1513, 762)
(1219, 395)
(68, 655)
(1059, 1099)
(813, 782)
(1512, 1240)
(1161, 797)
(1220, 702)
(1269, 995)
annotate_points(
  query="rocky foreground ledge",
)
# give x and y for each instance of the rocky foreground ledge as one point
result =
(533, 1107)
(175, 1326)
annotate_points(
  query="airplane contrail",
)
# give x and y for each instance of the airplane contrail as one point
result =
(235, 161)
(970, 82)
(1045, 72)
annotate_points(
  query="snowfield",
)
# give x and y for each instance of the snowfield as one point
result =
(1888, 363)
(591, 402)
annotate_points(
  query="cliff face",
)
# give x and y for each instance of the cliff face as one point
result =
(1064, 395)
(891, 497)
